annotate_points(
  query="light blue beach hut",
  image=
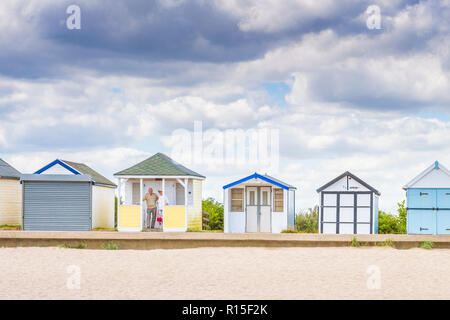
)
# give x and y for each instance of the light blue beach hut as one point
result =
(428, 201)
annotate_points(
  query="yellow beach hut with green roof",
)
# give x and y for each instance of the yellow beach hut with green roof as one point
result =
(182, 187)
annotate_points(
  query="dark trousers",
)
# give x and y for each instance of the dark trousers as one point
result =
(151, 218)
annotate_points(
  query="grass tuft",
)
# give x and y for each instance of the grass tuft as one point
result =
(69, 246)
(104, 229)
(290, 231)
(427, 245)
(386, 243)
(355, 243)
(111, 245)
(10, 227)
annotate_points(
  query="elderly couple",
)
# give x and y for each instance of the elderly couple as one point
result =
(155, 204)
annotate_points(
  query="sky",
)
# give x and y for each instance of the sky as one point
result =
(342, 96)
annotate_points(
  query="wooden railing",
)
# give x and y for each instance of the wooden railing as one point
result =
(205, 220)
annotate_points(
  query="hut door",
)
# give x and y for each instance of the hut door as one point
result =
(252, 209)
(443, 214)
(265, 210)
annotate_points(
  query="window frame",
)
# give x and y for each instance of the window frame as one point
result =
(275, 200)
(237, 199)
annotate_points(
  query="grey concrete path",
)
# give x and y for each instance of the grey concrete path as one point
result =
(159, 240)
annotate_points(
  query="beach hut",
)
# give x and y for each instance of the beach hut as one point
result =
(66, 195)
(348, 205)
(428, 201)
(10, 195)
(258, 203)
(181, 186)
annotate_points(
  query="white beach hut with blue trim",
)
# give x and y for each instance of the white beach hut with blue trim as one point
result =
(258, 203)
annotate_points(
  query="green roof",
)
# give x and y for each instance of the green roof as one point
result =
(158, 165)
(84, 169)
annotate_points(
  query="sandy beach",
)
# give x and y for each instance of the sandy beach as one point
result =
(225, 273)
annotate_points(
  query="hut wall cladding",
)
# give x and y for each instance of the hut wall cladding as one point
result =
(195, 211)
(10, 202)
(103, 207)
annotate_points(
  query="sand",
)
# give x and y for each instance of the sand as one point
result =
(225, 273)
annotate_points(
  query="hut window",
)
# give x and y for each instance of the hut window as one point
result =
(278, 200)
(237, 200)
(251, 200)
(136, 194)
(265, 198)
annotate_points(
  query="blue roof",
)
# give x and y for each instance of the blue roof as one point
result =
(266, 178)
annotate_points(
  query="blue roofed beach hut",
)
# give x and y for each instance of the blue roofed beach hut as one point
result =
(258, 203)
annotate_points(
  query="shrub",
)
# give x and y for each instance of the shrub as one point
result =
(307, 222)
(393, 224)
(215, 210)
(427, 245)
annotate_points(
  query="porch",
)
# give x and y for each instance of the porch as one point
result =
(132, 210)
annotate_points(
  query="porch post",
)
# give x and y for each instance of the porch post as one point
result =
(225, 211)
(186, 203)
(164, 204)
(140, 201)
(118, 202)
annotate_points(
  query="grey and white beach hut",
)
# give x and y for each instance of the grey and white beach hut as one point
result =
(348, 205)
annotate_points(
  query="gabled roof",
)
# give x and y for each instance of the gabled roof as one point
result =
(435, 166)
(347, 173)
(265, 177)
(79, 169)
(7, 171)
(158, 165)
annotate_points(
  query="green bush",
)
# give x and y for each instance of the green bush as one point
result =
(307, 222)
(215, 210)
(393, 224)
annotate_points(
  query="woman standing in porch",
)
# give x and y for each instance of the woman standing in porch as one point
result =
(162, 201)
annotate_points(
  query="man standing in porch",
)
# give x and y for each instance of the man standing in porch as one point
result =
(150, 198)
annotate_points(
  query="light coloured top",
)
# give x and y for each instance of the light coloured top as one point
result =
(151, 200)
(162, 201)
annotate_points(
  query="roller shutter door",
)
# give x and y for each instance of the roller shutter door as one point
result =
(50, 205)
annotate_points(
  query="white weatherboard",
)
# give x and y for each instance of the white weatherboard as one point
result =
(57, 169)
(432, 177)
(341, 185)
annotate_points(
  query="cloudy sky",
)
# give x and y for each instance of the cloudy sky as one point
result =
(375, 102)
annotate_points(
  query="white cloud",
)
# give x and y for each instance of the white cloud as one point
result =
(352, 106)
